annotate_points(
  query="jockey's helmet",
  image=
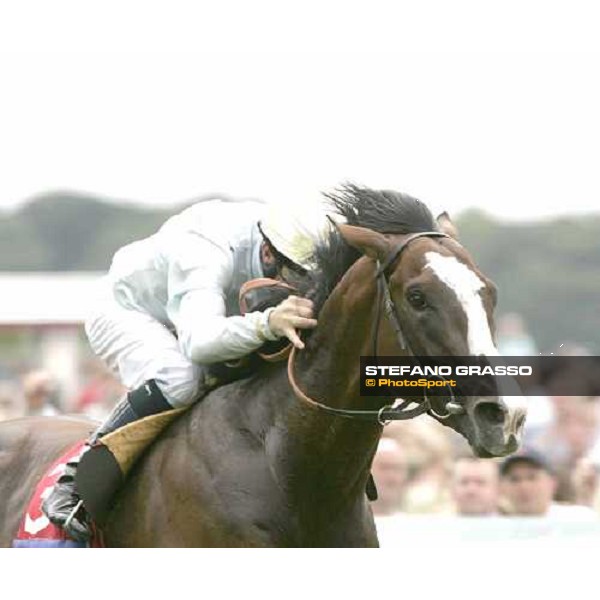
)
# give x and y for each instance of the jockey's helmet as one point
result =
(295, 231)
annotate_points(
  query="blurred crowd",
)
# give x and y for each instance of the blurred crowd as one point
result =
(420, 467)
(421, 470)
(29, 392)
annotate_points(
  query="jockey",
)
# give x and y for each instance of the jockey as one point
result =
(169, 307)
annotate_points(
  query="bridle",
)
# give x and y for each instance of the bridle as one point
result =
(399, 411)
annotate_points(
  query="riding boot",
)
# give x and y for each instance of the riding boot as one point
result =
(64, 506)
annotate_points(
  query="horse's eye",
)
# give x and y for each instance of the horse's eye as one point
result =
(417, 300)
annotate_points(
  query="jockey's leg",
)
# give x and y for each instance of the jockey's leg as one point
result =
(145, 355)
(63, 506)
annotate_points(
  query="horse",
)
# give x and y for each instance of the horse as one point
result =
(265, 461)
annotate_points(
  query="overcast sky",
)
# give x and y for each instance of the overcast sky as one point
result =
(517, 135)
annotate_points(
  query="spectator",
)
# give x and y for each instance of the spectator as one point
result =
(529, 483)
(571, 435)
(475, 487)
(585, 479)
(40, 394)
(389, 471)
(429, 451)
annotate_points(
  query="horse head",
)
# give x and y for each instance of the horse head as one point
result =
(445, 305)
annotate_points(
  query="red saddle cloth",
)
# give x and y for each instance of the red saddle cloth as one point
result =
(35, 530)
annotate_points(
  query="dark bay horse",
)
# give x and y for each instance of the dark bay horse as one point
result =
(255, 465)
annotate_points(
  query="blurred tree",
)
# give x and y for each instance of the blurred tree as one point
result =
(67, 231)
(549, 271)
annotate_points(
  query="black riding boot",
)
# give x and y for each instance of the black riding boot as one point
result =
(63, 506)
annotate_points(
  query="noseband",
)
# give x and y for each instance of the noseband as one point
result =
(398, 411)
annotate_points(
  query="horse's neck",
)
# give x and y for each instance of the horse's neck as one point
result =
(327, 458)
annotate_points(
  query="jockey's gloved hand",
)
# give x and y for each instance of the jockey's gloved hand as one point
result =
(291, 314)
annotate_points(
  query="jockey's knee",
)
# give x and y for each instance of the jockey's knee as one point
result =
(181, 387)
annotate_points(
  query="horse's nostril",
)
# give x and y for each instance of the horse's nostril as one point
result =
(520, 422)
(491, 412)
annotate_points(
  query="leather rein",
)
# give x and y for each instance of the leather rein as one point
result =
(399, 411)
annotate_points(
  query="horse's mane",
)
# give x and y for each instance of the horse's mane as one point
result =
(384, 211)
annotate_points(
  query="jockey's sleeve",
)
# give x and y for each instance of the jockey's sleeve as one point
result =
(199, 273)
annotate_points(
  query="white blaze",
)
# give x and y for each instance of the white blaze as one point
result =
(466, 285)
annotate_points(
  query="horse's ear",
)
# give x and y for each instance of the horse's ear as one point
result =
(365, 240)
(445, 225)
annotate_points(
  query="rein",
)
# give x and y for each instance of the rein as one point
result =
(386, 413)
(398, 411)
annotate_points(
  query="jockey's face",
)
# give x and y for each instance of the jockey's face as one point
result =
(269, 264)
(278, 269)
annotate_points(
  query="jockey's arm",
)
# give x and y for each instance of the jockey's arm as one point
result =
(199, 274)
